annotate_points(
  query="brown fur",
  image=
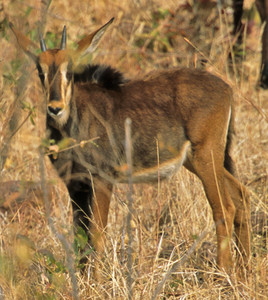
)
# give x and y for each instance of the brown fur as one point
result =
(186, 113)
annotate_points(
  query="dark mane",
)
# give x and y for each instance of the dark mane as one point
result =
(105, 76)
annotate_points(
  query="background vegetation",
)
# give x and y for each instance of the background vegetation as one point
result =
(169, 217)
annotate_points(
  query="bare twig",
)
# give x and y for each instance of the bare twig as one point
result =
(179, 263)
(19, 127)
(44, 13)
(66, 246)
(12, 120)
(128, 147)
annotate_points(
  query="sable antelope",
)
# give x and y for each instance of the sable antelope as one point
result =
(189, 113)
(262, 6)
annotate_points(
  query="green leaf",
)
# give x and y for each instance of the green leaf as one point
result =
(65, 143)
(28, 11)
(51, 40)
(81, 238)
(32, 120)
(50, 259)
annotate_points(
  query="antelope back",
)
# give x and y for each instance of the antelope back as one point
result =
(56, 69)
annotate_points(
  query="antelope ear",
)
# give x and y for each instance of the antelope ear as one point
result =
(24, 42)
(89, 43)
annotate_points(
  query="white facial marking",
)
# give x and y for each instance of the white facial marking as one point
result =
(44, 68)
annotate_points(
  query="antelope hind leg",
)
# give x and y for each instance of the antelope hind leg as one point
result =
(240, 199)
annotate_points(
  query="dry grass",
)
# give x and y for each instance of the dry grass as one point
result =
(32, 257)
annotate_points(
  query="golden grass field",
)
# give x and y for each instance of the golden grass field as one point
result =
(145, 36)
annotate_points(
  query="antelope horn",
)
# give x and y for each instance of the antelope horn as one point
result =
(42, 43)
(63, 39)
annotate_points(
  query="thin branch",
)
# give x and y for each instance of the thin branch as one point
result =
(128, 148)
(19, 127)
(178, 264)
(66, 246)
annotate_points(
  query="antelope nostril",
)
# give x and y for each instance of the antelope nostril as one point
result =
(54, 110)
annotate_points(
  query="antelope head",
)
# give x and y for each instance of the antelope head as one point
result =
(56, 69)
